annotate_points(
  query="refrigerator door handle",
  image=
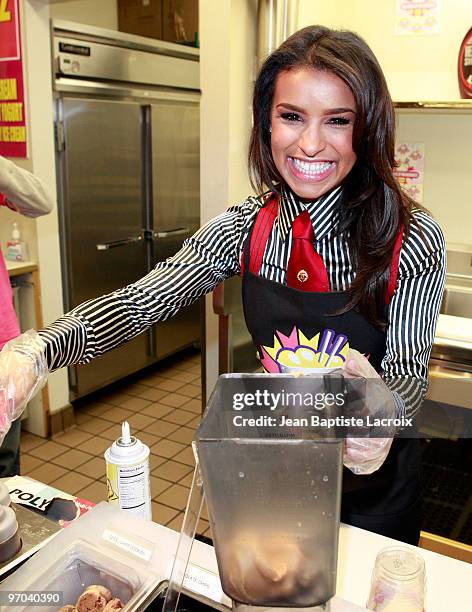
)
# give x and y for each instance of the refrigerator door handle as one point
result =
(175, 232)
(118, 243)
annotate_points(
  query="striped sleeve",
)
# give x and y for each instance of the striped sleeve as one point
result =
(413, 312)
(99, 325)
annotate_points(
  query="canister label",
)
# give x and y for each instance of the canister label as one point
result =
(129, 487)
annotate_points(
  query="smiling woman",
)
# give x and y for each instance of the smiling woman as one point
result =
(337, 263)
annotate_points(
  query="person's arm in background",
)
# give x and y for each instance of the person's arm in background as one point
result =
(413, 314)
(23, 192)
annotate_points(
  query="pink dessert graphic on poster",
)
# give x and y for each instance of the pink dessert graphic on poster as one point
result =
(410, 168)
(417, 17)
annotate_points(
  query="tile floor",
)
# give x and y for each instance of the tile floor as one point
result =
(163, 408)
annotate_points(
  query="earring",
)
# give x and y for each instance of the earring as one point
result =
(270, 130)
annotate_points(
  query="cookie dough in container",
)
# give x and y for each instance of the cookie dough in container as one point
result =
(99, 560)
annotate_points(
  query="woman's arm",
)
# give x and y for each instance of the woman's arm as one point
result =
(101, 324)
(24, 192)
(413, 313)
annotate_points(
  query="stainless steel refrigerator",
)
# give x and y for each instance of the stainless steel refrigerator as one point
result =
(127, 141)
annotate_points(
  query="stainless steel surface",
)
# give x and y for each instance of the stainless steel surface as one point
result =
(35, 530)
(118, 243)
(101, 170)
(123, 91)
(177, 232)
(457, 302)
(452, 105)
(121, 161)
(85, 32)
(174, 135)
(95, 60)
(277, 20)
(461, 277)
(450, 369)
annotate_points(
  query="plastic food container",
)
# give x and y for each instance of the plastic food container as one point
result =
(104, 547)
(83, 565)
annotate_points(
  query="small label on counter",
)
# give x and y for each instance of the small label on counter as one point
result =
(200, 580)
(138, 550)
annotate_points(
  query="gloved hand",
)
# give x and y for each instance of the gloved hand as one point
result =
(366, 455)
(23, 372)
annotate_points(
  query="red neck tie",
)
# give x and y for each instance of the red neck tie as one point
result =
(306, 270)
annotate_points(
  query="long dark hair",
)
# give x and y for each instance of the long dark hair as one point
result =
(373, 208)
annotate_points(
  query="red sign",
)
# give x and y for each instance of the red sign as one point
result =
(12, 95)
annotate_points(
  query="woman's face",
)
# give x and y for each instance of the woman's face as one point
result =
(312, 121)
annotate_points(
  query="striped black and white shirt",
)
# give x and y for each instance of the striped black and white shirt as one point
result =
(213, 254)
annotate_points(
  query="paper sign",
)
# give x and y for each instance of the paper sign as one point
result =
(126, 544)
(12, 95)
(202, 581)
(415, 17)
(410, 169)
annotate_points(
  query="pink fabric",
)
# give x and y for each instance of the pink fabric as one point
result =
(9, 327)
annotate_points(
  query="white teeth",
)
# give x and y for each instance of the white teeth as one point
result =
(312, 168)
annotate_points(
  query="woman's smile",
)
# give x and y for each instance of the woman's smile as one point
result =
(310, 170)
(312, 121)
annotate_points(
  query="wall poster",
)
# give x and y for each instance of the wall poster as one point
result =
(417, 17)
(410, 169)
(12, 94)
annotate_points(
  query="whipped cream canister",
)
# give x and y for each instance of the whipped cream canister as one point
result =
(128, 482)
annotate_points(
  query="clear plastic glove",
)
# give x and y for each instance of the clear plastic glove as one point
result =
(366, 455)
(23, 372)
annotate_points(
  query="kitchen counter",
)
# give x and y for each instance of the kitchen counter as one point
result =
(454, 331)
(449, 582)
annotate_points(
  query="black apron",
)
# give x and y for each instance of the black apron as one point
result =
(388, 501)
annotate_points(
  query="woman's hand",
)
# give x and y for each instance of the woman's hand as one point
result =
(23, 372)
(366, 455)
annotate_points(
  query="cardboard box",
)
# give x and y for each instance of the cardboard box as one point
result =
(180, 21)
(142, 17)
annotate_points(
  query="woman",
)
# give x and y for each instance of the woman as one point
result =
(323, 143)
(24, 193)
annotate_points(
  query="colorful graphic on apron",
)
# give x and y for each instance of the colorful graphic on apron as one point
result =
(297, 352)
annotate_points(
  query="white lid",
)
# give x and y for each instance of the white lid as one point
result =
(127, 448)
(4, 495)
(8, 523)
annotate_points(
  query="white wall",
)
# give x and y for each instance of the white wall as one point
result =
(448, 167)
(99, 13)
(228, 47)
(417, 67)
